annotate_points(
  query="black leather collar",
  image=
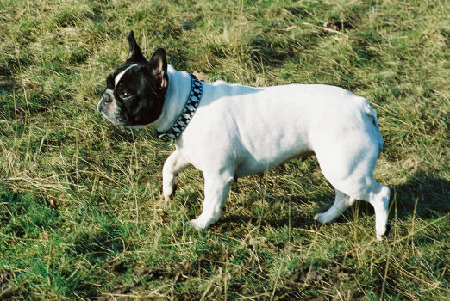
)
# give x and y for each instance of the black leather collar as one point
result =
(190, 107)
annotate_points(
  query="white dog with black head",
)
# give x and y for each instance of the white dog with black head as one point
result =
(229, 131)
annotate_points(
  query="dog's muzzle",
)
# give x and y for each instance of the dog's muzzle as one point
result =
(107, 97)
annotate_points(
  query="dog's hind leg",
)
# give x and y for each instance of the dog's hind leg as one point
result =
(349, 168)
(341, 202)
(217, 186)
(174, 164)
(376, 194)
(379, 195)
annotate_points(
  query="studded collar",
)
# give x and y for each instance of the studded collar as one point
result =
(190, 107)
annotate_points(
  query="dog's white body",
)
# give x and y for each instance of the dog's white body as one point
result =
(239, 130)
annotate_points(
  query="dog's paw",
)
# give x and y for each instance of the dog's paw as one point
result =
(169, 191)
(386, 232)
(322, 218)
(198, 224)
(168, 196)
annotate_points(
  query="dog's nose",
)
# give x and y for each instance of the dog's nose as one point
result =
(103, 101)
(106, 98)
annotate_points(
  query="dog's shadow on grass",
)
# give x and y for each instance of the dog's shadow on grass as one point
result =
(424, 195)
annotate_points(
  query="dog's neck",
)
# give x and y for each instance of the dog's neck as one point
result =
(176, 95)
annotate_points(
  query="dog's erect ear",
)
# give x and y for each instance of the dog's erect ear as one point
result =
(134, 51)
(158, 67)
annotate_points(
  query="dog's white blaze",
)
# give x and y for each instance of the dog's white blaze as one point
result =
(119, 76)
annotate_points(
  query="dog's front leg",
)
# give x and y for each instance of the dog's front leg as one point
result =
(174, 163)
(217, 186)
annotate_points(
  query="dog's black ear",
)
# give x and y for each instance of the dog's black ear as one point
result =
(158, 67)
(134, 51)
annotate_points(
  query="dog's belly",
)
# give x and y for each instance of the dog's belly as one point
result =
(251, 166)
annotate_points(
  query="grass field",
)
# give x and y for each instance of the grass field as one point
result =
(81, 209)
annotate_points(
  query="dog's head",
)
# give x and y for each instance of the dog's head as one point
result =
(136, 90)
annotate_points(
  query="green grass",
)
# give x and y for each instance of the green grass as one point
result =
(81, 209)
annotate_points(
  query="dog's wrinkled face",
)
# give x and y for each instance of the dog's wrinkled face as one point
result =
(136, 90)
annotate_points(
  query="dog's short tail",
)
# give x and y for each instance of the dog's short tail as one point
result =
(372, 115)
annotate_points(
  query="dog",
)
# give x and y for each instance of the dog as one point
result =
(230, 131)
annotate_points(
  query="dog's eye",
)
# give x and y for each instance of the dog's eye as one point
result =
(124, 94)
(122, 91)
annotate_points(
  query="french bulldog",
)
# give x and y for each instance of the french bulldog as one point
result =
(230, 131)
